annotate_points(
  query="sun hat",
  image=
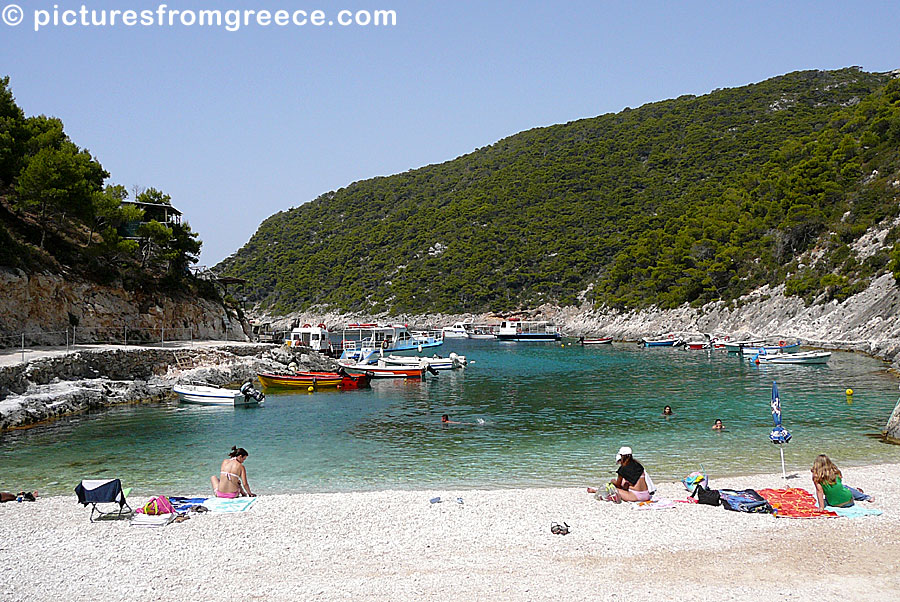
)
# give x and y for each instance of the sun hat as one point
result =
(623, 451)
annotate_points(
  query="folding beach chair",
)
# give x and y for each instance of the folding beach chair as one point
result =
(108, 492)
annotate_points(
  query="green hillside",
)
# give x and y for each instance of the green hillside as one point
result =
(685, 200)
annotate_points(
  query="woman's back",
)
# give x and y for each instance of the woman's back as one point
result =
(231, 475)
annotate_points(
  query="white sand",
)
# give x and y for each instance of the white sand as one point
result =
(395, 545)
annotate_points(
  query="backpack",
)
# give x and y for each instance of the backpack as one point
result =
(706, 496)
(158, 505)
(745, 500)
(691, 481)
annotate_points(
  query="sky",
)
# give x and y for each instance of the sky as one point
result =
(238, 125)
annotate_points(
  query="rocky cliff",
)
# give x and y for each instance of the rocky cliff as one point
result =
(39, 304)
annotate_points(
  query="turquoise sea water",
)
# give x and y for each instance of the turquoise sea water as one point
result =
(552, 416)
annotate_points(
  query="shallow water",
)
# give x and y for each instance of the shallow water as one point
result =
(552, 416)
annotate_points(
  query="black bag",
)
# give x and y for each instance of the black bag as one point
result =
(706, 496)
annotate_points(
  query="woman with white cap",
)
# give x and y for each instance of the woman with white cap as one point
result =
(630, 484)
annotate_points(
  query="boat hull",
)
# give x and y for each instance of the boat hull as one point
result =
(603, 341)
(539, 337)
(212, 396)
(385, 371)
(810, 358)
(305, 380)
(659, 343)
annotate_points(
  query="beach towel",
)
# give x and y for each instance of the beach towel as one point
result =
(152, 520)
(183, 504)
(745, 500)
(654, 505)
(221, 504)
(856, 511)
(794, 503)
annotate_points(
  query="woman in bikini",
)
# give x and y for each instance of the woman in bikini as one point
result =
(233, 476)
(630, 484)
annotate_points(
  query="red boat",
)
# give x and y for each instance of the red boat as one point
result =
(340, 380)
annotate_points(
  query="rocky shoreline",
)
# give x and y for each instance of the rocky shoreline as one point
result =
(52, 387)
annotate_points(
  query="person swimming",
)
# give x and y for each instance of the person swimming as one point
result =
(445, 419)
(667, 411)
(718, 426)
(234, 476)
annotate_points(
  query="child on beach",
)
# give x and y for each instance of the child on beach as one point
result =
(829, 488)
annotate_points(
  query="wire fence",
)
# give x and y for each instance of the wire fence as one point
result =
(74, 337)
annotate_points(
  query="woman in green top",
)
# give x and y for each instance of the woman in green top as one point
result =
(829, 489)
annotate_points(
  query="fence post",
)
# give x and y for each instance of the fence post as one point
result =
(192, 334)
(73, 336)
(125, 335)
(23, 346)
(162, 336)
(67, 339)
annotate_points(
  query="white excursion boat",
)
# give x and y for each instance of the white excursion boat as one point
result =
(437, 362)
(482, 331)
(361, 341)
(518, 330)
(313, 337)
(801, 357)
(215, 396)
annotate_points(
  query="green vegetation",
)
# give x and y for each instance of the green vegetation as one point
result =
(681, 201)
(56, 214)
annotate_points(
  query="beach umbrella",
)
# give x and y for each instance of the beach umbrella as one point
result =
(779, 435)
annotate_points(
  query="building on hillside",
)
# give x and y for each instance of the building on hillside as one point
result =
(166, 215)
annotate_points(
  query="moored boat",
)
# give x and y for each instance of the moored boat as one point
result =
(514, 329)
(781, 347)
(584, 341)
(669, 341)
(360, 341)
(216, 396)
(736, 346)
(482, 332)
(801, 357)
(437, 362)
(382, 370)
(459, 330)
(313, 379)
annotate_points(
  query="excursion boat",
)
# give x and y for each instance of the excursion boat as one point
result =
(459, 330)
(595, 341)
(669, 341)
(482, 331)
(360, 341)
(518, 330)
(313, 379)
(801, 357)
(437, 362)
(216, 396)
(383, 370)
(312, 337)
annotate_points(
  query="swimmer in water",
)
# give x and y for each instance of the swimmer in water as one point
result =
(718, 426)
(667, 411)
(445, 419)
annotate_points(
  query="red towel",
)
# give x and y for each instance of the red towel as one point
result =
(794, 503)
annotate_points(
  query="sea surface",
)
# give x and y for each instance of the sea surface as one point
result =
(531, 414)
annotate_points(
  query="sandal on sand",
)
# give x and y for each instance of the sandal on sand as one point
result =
(558, 529)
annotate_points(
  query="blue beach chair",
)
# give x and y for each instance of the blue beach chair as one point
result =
(107, 492)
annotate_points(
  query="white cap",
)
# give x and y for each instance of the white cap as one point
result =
(623, 451)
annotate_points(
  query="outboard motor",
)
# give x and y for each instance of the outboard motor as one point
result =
(248, 391)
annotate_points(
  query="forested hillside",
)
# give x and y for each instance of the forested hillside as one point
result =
(59, 215)
(686, 200)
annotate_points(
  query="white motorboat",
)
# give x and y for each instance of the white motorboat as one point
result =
(437, 362)
(514, 329)
(459, 330)
(801, 357)
(216, 396)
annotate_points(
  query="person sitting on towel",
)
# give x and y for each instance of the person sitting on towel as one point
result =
(234, 476)
(630, 484)
(830, 490)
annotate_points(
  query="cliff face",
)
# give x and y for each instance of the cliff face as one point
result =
(45, 303)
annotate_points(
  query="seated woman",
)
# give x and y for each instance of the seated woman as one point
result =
(234, 476)
(829, 489)
(631, 484)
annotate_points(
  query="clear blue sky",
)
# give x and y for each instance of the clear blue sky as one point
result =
(236, 126)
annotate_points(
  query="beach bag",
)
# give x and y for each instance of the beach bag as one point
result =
(706, 496)
(745, 500)
(691, 481)
(158, 505)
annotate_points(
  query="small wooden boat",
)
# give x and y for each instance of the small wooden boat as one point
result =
(781, 347)
(670, 341)
(736, 346)
(314, 379)
(382, 370)
(595, 341)
(802, 357)
(215, 396)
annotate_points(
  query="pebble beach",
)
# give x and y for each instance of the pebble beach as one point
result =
(495, 545)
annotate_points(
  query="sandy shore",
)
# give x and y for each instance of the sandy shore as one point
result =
(497, 545)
